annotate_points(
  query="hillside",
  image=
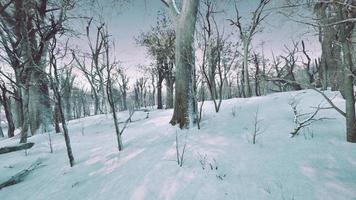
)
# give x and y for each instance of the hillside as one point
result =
(220, 161)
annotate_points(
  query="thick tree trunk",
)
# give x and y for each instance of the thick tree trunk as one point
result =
(26, 122)
(39, 103)
(330, 70)
(1, 132)
(349, 93)
(17, 102)
(96, 104)
(159, 92)
(169, 91)
(184, 108)
(9, 118)
(211, 71)
(345, 39)
(68, 106)
(57, 118)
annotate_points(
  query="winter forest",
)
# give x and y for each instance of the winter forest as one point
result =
(177, 99)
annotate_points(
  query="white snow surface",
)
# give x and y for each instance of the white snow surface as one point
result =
(220, 162)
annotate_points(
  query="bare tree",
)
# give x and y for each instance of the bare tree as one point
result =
(55, 83)
(310, 71)
(28, 27)
(290, 64)
(284, 76)
(109, 84)
(94, 73)
(159, 42)
(185, 106)
(216, 63)
(246, 34)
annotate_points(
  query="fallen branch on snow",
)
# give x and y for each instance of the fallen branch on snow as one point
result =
(19, 177)
(19, 147)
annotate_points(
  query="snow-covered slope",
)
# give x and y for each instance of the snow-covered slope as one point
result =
(220, 162)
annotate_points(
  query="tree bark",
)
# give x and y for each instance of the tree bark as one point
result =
(247, 88)
(184, 108)
(330, 72)
(39, 105)
(26, 123)
(112, 105)
(1, 132)
(96, 102)
(124, 99)
(18, 107)
(159, 92)
(9, 118)
(57, 118)
(64, 123)
(349, 93)
(169, 91)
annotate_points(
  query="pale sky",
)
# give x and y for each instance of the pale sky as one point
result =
(128, 21)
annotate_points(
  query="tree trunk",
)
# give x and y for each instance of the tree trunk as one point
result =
(184, 108)
(112, 105)
(39, 104)
(18, 109)
(20, 147)
(153, 90)
(349, 93)
(345, 39)
(9, 118)
(169, 91)
(96, 103)
(57, 118)
(64, 123)
(124, 99)
(1, 132)
(257, 76)
(26, 122)
(68, 106)
(330, 72)
(159, 92)
(247, 88)
(242, 83)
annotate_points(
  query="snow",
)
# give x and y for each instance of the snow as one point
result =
(220, 162)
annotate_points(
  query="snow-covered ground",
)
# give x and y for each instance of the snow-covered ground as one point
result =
(220, 162)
